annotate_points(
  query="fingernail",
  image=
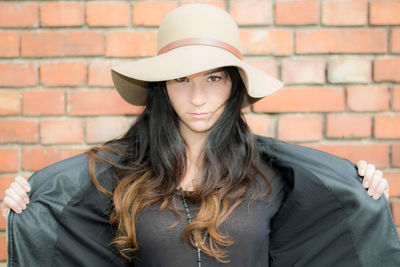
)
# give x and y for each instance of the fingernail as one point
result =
(18, 210)
(376, 196)
(26, 199)
(370, 192)
(27, 188)
(362, 172)
(23, 206)
(365, 184)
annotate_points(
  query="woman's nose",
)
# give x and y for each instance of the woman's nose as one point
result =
(198, 96)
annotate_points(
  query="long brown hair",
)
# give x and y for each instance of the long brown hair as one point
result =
(150, 163)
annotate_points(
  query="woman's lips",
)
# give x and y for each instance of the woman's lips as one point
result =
(199, 115)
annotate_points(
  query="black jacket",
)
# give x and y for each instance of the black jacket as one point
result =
(327, 219)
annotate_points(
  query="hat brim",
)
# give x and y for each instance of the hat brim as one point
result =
(131, 79)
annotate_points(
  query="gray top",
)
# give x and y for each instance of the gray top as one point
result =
(248, 227)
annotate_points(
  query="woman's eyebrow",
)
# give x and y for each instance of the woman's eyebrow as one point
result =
(213, 71)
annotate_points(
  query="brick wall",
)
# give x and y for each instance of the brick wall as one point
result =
(340, 61)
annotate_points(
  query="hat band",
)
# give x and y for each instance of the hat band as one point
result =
(200, 41)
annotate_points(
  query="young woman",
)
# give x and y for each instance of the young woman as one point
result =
(190, 185)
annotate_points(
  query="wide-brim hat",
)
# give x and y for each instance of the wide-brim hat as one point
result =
(191, 39)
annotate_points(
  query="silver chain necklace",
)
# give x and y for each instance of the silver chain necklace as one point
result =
(189, 218)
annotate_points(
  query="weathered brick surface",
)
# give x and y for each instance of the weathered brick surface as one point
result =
(384, 12)
(252, 12)
(337, 13)
(307, 12)
(17, 75)
(303, 71)
(303, 100)
(62, 13)
(387, 126)
(43, 102)
(260, 125)
(348, 125)
(387, 69)
(14, 14)
(108, 14)
(9, 102)
(322, 41)
(150, 13)
(368, 98)
(9, 44)
(349, 70)
(13, 131)
(307, 128)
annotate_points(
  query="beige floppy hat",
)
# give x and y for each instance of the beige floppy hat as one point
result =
(191, 39)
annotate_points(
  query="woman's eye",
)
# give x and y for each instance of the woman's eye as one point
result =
(214, 78)
(182, 79)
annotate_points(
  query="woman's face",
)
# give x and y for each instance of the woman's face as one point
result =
(199, 99)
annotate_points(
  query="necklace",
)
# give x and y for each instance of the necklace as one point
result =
(189, 218)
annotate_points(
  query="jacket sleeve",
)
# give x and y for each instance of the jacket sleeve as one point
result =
(327, 218)
(66, 222)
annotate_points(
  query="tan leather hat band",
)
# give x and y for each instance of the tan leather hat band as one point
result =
(201, 41)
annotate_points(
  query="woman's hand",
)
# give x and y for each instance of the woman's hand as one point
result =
(16, 197)
(373, 180)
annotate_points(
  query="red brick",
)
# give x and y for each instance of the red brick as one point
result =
(368, 98)
(18, 75)
(318, 99)
(9, 44)
(109, 14)
(18, 14)
(303, 71)
(51, 44)
(2, 228)
(260, 124)
(42, 44)
(266, 65)
(395, 205)
(304, 128)
(251, 12)
(18, 131)
(396, 98)
(396, 155)
(131, 44)
(8, 160)
(349, 70)
(9, 102)
(378, 154)
(99, 102)
(341, 41)
(387, 126)
(348, 125)
(99, 130)
(217, 3)
(387, 69)
(63, 73)
(395, 40)
(267, 42)
(43, 102)
(344, 12)
(86, 43)
(35, 158)
(61, 131)
(151, 13)
(297, 12)
(100, 73)
(3, 247)
(393, 178)
(62, 13)
(384, 12)
(5, 182)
